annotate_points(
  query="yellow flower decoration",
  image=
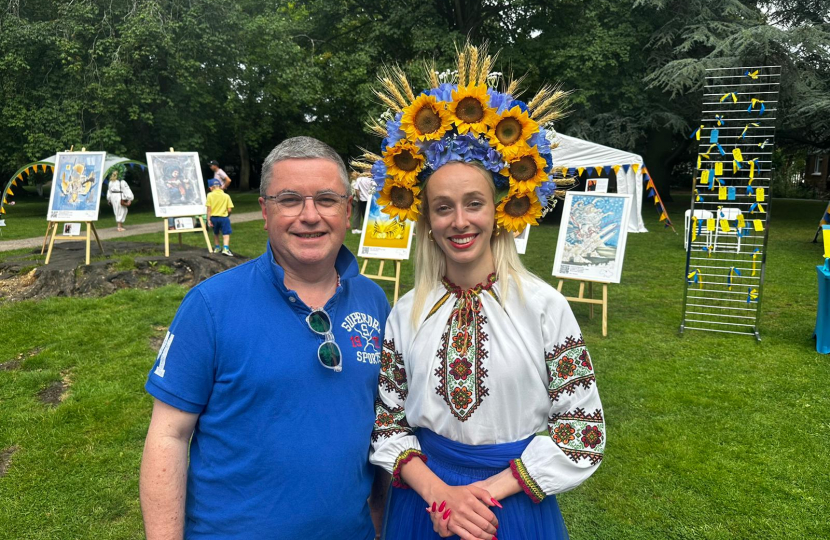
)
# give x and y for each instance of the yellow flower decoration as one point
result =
(470, 109)
(518, 210)
(400, 201)
(426, 119)
(403, 162)
(512, 128)
(525, 168)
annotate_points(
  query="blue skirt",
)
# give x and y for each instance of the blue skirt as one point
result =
(461, 464)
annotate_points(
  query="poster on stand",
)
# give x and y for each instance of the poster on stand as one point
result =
(383, 237)
(76, 186)
(176, 183)
(592, 236)
(521, 240)
(599, 185)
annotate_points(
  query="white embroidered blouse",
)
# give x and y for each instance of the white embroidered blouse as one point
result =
(477, 373)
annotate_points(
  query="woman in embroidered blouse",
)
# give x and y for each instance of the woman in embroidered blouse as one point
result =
(477, 360)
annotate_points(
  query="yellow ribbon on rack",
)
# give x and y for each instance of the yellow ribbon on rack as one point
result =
(752, 296)
(737, 159)
(759, 194)
(753, 75)
(694, 229)
(728, 94)
(694, 277)
(746, 128)
(754, 256)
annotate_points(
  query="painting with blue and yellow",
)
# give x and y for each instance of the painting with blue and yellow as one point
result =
(76, 186)
(382, 236)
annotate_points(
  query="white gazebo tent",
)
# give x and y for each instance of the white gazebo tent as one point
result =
(574, 153)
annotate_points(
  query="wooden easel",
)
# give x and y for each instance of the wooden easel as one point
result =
(52, 228)
(167, 232)
(380, 277)
(590, 300)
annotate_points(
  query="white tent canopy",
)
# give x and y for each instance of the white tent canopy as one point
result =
(575, 153)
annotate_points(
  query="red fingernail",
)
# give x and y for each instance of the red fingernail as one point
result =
(497, 503)
(443, 504)
(447, 513)
(494, 538)
(434, 507)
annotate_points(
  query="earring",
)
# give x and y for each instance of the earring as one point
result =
(496, 230)
(429, 235)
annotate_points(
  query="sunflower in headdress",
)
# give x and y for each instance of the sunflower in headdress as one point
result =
(400, 201)
(518, 210)
(514, 127)
(403, 162)
(525, 168)
(425, 119)
(470, 109)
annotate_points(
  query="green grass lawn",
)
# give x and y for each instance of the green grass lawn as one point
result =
(710, 436)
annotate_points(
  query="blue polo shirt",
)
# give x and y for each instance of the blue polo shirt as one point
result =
(281, 446)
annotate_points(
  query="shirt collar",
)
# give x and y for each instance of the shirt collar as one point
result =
(345, 264)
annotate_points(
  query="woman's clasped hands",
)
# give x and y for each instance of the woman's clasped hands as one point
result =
(465, 511)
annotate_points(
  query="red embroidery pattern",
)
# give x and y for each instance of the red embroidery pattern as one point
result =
(461, 368)
(579, 435)
(569, 367)
(405, 457)
(392, 371)
(529, 486)
(389, 421)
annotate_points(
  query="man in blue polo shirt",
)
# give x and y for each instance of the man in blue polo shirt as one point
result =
(268, 377)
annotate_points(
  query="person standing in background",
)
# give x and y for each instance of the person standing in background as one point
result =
(220, 175)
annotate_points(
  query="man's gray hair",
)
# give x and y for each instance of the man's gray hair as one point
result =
(302, 148)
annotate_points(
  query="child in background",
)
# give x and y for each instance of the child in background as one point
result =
(219, 206)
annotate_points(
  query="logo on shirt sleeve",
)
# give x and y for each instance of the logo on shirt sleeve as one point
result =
(365, 331)
(162, 356)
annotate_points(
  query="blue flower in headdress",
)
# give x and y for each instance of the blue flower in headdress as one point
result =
(540, 141)
(379, 174)
(502, 182)
(443, 92)
(499, 101)
(522, 105)
(438, 153)
(394, 133)
(545, 192)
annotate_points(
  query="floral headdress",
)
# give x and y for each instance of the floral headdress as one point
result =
(465, 119)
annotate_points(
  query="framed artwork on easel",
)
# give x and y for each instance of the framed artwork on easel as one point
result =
(76, 186)
(592, 237)
(176, 183)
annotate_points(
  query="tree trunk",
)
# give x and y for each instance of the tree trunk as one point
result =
(244, 165)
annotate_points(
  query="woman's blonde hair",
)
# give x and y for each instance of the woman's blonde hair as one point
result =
(430, 261)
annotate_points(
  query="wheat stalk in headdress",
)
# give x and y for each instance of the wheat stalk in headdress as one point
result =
(545, 106)
(365, 162)
(432, 75)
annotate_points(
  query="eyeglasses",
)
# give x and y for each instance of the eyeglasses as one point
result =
(328, 353)
(292, 204)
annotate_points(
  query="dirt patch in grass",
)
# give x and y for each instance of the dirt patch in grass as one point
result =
(6, 459)
(56, 392)
(125, 265)
(158, 339)
(18, 360)
(11, 365)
